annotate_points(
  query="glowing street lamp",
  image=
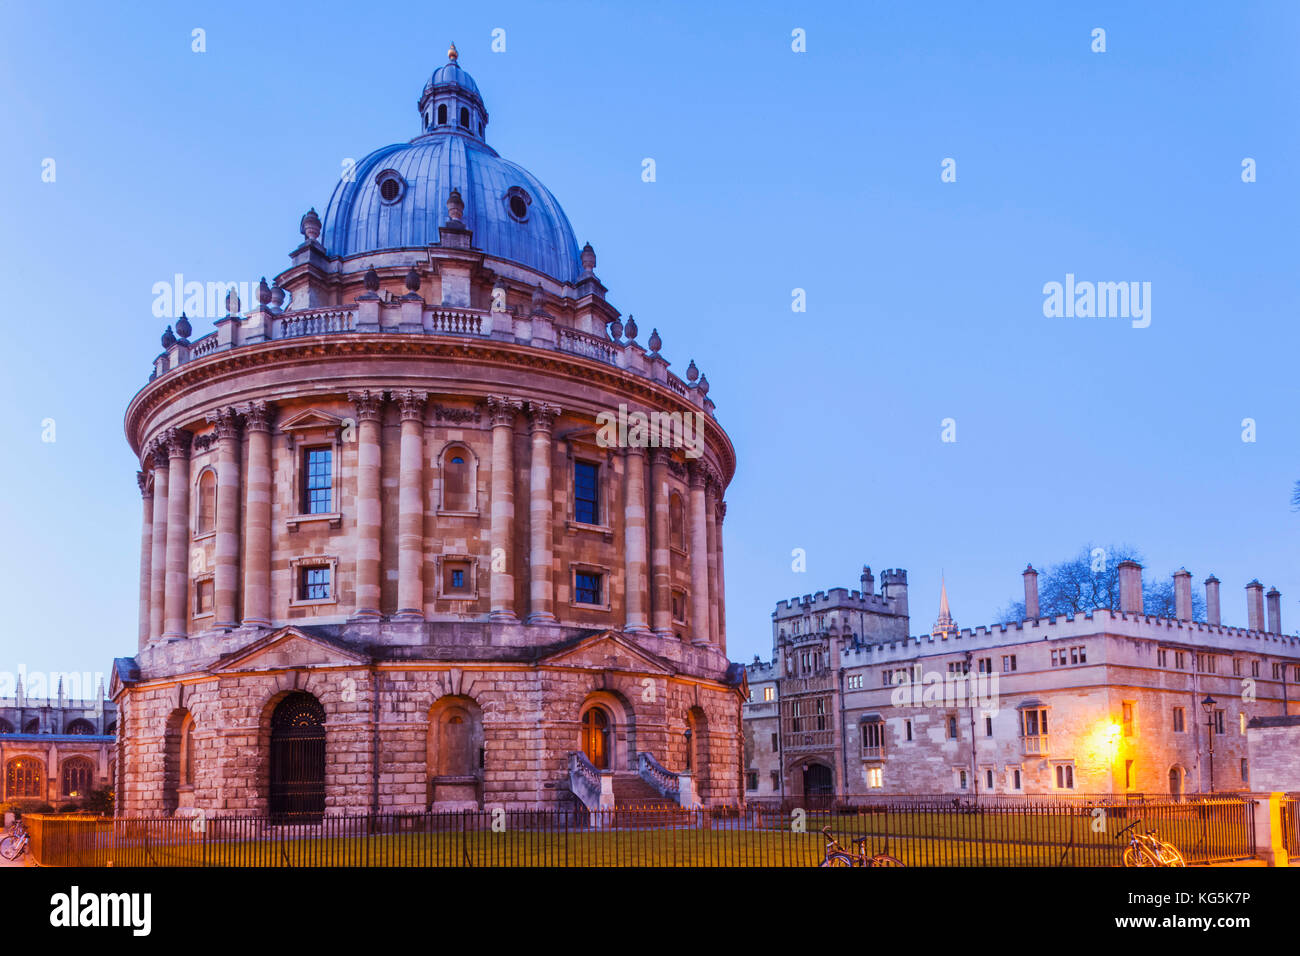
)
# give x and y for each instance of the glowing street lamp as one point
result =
(1207, 705)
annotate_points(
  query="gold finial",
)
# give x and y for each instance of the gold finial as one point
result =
(451, 53)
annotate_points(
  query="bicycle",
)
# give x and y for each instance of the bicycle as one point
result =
(836, 855)
(15, 844)
(1146, 849)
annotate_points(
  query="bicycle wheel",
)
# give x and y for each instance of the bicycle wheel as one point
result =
(1136, 856)
(884, 859)
(10, 848)
(837, 859)
(1169, 855)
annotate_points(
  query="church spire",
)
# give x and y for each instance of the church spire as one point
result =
(945, 627)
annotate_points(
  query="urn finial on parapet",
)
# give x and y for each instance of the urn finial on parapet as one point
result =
(452, 54)
(588, 259)
(183, 327)
(168, 338)
(704, 385)
(277, 294)
(413, 279)
(263, 292)
(232, 302)
(631, 328)
(656, 343)
(692, 373)
(310, 225)
(616, 330)
(371, 280)
(455, 206)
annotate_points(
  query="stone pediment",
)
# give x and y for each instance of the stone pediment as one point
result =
(608, 650)
(311, 418)
(288, 647)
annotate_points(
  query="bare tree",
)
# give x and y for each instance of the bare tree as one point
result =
(1090, 581)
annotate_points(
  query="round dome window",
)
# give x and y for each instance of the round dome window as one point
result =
(391, 185)
(517, 201)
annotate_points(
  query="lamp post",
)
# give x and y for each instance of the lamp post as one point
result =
(1207, 705)
(689, 763)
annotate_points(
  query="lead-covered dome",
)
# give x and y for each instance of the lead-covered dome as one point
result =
(397, 196)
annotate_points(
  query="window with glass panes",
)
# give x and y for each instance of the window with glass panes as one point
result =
(318, 481)
(315, 583)
(586, 587)
(586, 492)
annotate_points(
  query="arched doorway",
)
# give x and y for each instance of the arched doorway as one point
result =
(818, 782)
(297, 790)
(1176, 781)
(595, 737)
(455, 754)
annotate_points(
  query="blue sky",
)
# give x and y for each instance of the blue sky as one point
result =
(776, 170)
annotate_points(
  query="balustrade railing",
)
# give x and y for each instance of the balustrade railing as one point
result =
(588, 346)
(584, 780)
(658, 776)
(321, 322)
(451, 322)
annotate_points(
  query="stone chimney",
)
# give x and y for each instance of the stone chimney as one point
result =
(1031, 593)
(1255, 606)
(1130, 587)
(1183, 594)
(1274, 611)
(1212, 615)
(868, 580)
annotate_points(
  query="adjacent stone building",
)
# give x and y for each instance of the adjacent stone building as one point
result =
(55, 749)
(1115, 702)
(428, 527)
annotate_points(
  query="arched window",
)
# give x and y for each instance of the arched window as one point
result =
(442, 115)
(207, 510)
(458, 478)
(6, 727)
(80, 726)
(32, 726)
(111, 729)
(78, 777)
(24, 777)
(464, 117)
(187, 751)
(676, 522)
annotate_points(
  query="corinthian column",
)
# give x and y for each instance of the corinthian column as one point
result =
(369, 514)
(541, 586)
(503, 411)
(720, 599)
(158, 550)
(711, 516)
(176, 597)
(410, 505)
(660, 556)
(257, 516)
(699, 555)
(146, 552)
(225, 576)
(635, 583)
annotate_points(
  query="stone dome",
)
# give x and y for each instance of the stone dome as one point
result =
(397, 195)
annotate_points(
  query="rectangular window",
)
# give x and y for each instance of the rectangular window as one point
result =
(1218, 722)
(963, 781)
(988, 726)
(1179, 721)
(1179, 660)
(776, 780)
(1162, 658)
(1015, 779)
(958, 667)
(875, 777)
(907, 728)
(988, 779)
(775, 745)
(1064, 776)
(314, 583)
(1057, 659)
(1128, 774)
(985, 665)
(587, 588)
(1008, 663)
(1236, 667)
(952, 728)
(1277, 672)
(1254, 668)
(1128, 710)
(203, 596)
(821, 713)
(586, 492)
(1241, 722)
(318, 481)
(769, 693)
(873, 739)
(1245, 774)
(751, 780)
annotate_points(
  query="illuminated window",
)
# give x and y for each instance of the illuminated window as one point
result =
(78, 777)
(586, 492)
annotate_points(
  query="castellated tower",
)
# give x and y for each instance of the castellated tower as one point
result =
(391, 557)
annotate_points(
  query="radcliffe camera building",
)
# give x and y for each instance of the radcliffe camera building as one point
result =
(387, 561)
(1115, 702)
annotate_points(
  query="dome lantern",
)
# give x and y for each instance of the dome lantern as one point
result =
(451, 102)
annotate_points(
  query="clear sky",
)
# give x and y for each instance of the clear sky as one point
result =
(776, 170)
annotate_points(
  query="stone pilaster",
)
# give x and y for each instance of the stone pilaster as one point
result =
(158, 555)
(410, 505)
(635, 579)
(257, 515)
(720, 598)
(711, 517)
(146, 551)
(176, 595)
(699, 554)
(502, 411)
(660, 554)
(541, 585)
(225, 575)
(369, 407)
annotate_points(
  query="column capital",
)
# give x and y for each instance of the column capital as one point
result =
(541, 416)
(660, 456)
(177, 442)
(257, 416)
(697, 473)
(369, 404)
(722, 510)
(502, 409)
(143, 479)
(228, 421)
(411, 403)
